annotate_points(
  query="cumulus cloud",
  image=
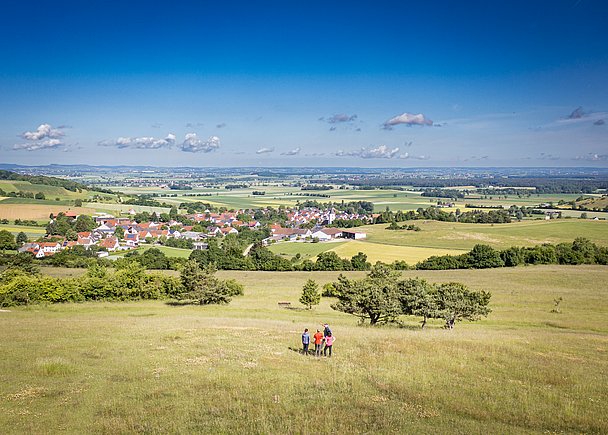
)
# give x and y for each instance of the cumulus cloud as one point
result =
(408, 119)
(144, 142)
(293, 152)
(593, 157)
(194, 124)
(265, 150)
(379, 152)
(44, 131)
(44, 137)
(192, 144)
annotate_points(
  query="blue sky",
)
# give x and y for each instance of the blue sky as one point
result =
(369, 84)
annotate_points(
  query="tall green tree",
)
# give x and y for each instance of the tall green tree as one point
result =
(310, 294)
(21, 238)
(202, 286)
(7, 240)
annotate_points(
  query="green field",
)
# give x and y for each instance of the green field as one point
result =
(449, 238)
(157, 368)
(31, 232)
(50, 192)
(453, 235)
(305, 249)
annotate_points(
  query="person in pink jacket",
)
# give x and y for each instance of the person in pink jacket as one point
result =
(329, 342)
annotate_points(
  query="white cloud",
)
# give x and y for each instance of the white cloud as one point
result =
(39, 145)
(45, 137)
(379, 152)
(192, 144)
(593, 157)
(408, 119)
(144, 142)
(265, 150)
(293, 152)
(44, 131)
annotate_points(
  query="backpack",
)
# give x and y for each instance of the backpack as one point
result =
(327, 332)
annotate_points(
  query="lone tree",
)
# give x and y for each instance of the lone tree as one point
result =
(201, 285)
(310, 294)
(7, 240)
(21, 238)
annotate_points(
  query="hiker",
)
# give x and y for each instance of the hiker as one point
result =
(305, 341)
(329, 342)
(326, 330)
(318, 342)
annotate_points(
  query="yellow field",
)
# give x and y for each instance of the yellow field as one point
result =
(37, 211)
(389, 253)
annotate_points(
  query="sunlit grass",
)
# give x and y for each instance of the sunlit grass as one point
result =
(152, 367)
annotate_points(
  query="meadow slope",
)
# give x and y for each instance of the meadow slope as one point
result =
(152, 367)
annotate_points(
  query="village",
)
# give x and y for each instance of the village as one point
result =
(113, 234)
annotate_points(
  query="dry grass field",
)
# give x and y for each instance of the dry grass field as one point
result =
(37, 212)
(157, 368)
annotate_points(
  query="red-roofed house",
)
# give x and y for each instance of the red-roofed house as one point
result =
(110, 243)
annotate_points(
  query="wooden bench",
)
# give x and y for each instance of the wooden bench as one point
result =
(284, 304)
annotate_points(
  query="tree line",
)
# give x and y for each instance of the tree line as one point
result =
(21, 284)
(580, 251)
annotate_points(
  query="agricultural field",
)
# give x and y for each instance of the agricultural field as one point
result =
(155, 367)
(31, 231)
(50, 192)
(37, 212)
(449, 238)
(305, 249)
(389, 253)
(455, 235)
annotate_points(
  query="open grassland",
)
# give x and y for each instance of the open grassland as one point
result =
(153, 367)
(454, 235)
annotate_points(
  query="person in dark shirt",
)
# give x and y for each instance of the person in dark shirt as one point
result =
(305, 341)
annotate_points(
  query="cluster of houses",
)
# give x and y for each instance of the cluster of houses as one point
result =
(216, 224)
(321, 234)
(297, 217)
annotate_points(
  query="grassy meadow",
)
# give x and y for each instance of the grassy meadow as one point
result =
(153, 367)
